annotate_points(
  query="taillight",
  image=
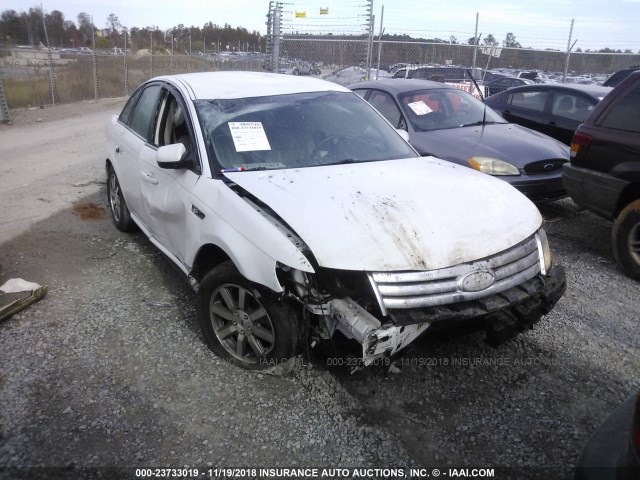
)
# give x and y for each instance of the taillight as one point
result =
(579, 146)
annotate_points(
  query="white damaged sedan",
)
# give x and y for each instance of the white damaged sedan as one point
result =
(297, 212)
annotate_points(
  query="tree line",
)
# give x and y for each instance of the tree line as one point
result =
(27, 28)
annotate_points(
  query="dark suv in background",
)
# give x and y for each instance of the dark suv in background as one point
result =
(619, 76)
(604, 173)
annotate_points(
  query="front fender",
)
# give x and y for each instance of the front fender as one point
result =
(250, 239)
(629, 171)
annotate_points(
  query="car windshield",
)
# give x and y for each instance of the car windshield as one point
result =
(439, 108)
(296, 130)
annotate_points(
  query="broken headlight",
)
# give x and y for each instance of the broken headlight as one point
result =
(544, 251)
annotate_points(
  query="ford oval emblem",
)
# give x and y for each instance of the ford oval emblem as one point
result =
(476, 281)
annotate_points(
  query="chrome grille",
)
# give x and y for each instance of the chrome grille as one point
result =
(401, 290)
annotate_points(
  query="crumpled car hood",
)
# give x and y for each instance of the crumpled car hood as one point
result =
(411, 214)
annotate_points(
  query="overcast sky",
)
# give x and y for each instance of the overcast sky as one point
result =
(538, 24)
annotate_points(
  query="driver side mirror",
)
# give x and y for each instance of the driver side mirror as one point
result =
(172, 156)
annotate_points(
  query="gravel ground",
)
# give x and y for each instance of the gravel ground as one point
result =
(111, 370)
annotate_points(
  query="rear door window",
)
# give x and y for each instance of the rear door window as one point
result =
(624, 113)
(571, 106)
(454, 74)
(531, 100)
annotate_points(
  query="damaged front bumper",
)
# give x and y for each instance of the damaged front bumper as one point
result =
(502, 315)
(377, 340)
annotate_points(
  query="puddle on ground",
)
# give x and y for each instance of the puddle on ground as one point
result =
(90, 211)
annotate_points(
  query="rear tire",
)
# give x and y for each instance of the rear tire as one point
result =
(625, 238)
(244, 325)
(119, 211)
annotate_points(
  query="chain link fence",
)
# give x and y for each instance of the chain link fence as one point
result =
(26, 73)
(33, 77)
(335, 53)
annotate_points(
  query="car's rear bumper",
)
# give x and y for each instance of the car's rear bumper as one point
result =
(596, 191)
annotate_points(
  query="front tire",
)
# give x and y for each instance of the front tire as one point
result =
(625, 238)
(119, 211)
(243, 325)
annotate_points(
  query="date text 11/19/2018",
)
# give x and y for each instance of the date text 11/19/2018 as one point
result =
(241, 473)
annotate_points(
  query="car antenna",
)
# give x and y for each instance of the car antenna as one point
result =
(484, 112)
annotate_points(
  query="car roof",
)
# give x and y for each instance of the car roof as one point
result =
(620, 75)
(506, 75)
(634, 76)
(401, 85)
(596, 91)
(235, 84)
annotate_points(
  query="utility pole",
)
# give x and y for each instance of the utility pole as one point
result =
(269, 40)
(369, 39)
(95, 60)
(126, 64)
(476, 41)
(52, 74)
(380, 42)
(569, 48)
(275, 51)
(4, 108)
(151, 52)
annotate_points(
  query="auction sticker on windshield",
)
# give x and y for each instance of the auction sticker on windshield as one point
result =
(249, 136)
(420, 108)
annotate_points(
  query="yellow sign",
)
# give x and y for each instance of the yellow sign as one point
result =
(324, 11)
(301, 14)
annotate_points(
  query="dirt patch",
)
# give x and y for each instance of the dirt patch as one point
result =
(89, 211)
(51, 164)
(37, 115)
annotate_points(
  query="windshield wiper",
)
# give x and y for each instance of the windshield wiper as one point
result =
(342, 162)
(242, 169)
(479, 122)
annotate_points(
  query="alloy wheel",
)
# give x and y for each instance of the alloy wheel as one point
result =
(114, 196)
(240, 323)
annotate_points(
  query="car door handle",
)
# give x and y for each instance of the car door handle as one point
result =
(507, 112)
(148, 177)
(552, 123)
